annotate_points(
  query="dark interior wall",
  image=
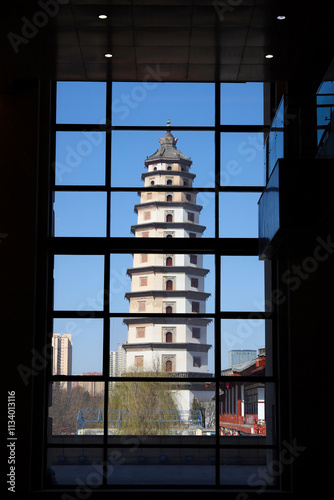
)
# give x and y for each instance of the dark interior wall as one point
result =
(19, 156)
(306, 270)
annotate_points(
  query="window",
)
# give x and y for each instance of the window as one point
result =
(194, 282)
(169, 285)
(193, 259)
(169, 337)
(141, 306)
(169, 182)
(97, 294)
(197, 362)
(140, 332)
(196, 333)
(195, 307)
(139, 361)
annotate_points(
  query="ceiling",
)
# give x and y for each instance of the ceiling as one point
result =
(186, 40)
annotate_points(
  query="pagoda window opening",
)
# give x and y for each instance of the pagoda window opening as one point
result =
(169, 236)
(169, 182)
(152, 183)
(194, 282)
(169, 337)
(169, 218)
(193, 259)
(169, 261)
(197, 362)
(169, 285)
(196, 333)
(195, 307)
(169, 310)
(169, 366)
(169, 167)
(169, 197)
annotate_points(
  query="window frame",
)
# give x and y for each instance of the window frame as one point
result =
(100, 246)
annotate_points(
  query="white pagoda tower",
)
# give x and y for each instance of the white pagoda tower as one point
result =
(167, 283)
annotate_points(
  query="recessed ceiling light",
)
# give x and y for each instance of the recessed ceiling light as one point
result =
(280, 18)
(102, 16)
(269, 56)
(108, 55)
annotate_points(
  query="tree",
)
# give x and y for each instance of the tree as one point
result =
(142, 407)
(207, 409)
(66, 404)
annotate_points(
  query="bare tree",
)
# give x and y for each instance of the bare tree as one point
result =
(66, 404)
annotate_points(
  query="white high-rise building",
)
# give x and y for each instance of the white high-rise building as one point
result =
(167, 283)
(62, 356)
(117, 362)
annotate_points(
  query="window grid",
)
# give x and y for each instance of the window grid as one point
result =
(99, 246)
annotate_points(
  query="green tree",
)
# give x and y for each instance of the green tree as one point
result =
(142, 407)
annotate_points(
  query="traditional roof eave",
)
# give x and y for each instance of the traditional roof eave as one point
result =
(157, 204)
(197, 228)
(168, 346)
(196, 271)
(169, 294)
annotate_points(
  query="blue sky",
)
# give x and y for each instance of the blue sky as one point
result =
(80, 160)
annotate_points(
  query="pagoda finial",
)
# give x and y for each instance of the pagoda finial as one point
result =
(168, 122)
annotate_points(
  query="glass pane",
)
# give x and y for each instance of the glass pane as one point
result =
(80, 158)
(146, 408)
(238, 215)
(80, 214)
(122, 213)
(81, 102)
(77, 346)
(75, 408)
(150, 346)
(242, 341)
(249, 467)
(245, 409)
(152, 103)
(242, 159)
(242, 284)
(78, 283)
(130, 150)
(75, 466)
(162, 466)
(242, 103)
(145, 288)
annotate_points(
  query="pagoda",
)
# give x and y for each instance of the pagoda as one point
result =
(168, 284)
